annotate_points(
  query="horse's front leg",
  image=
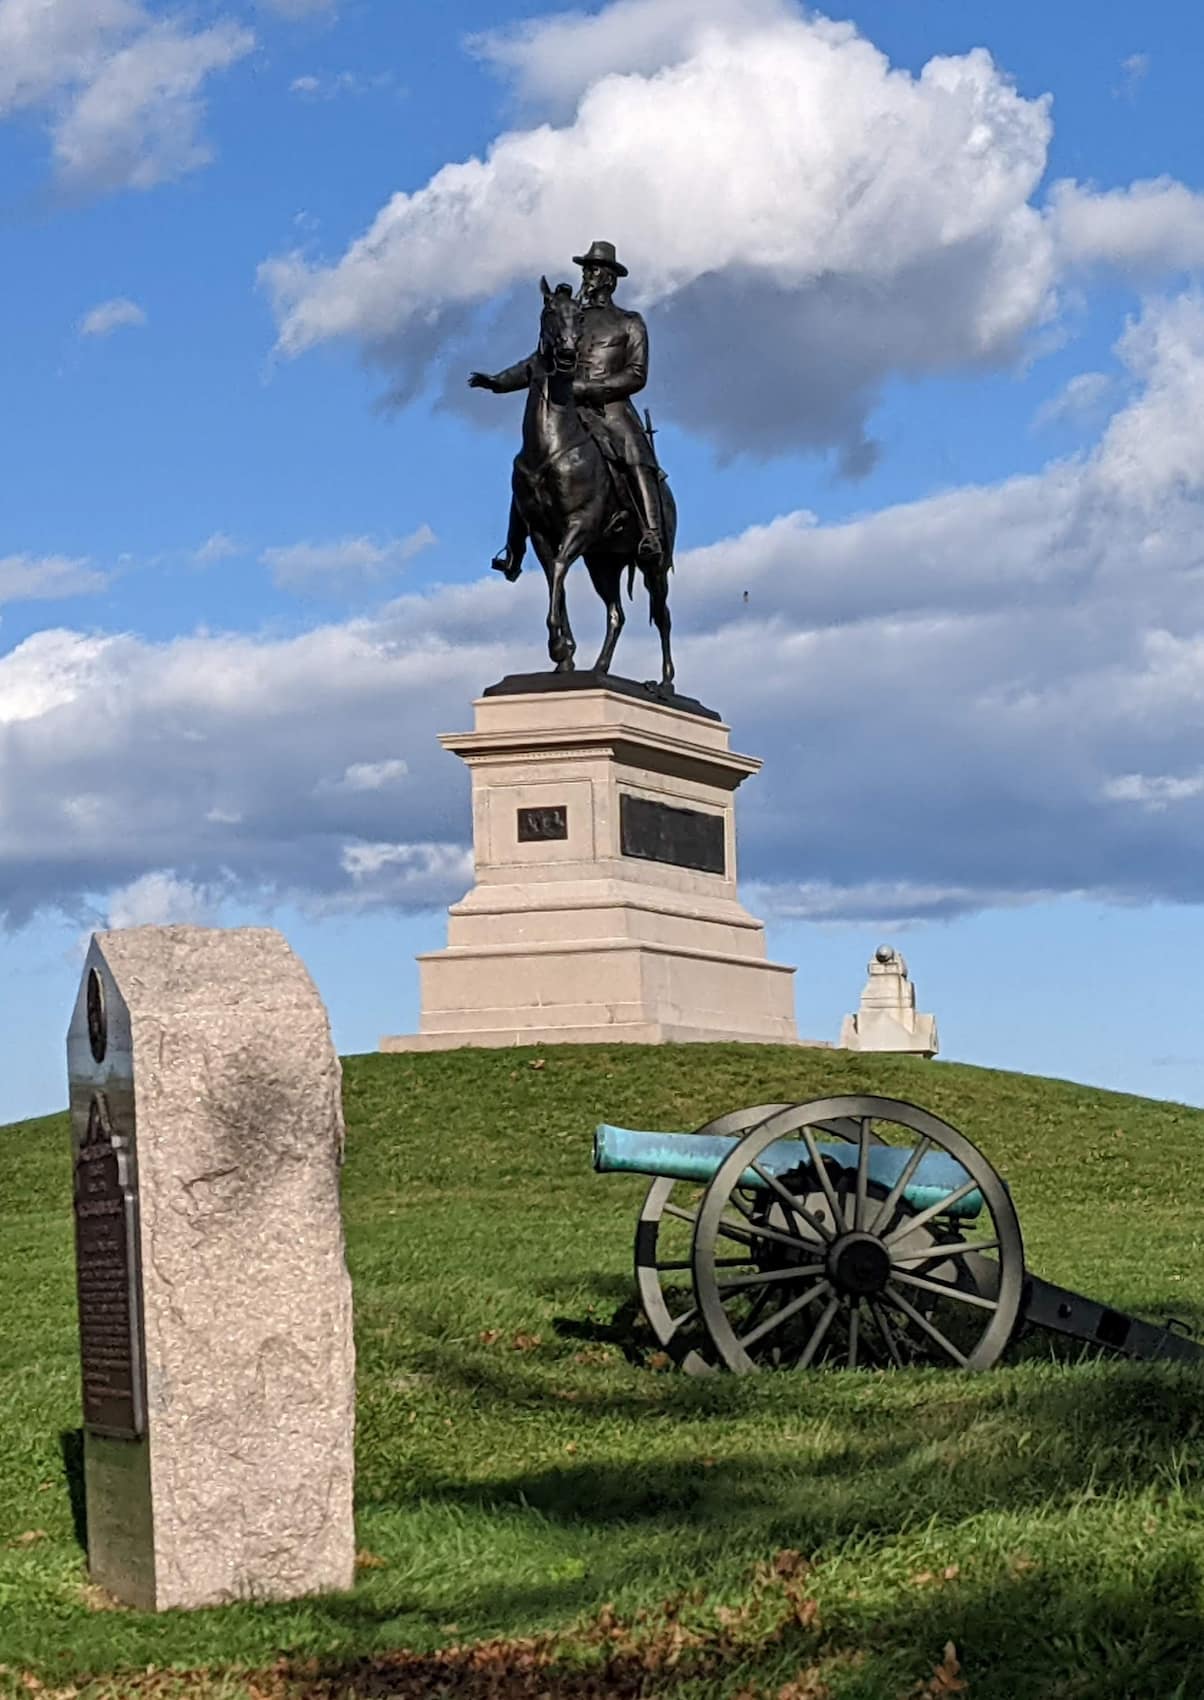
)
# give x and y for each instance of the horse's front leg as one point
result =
(561, 644)
(555, 563)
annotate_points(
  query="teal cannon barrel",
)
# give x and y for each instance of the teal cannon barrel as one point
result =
(696, 1157)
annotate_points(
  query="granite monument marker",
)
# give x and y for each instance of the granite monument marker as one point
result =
(217, 1363)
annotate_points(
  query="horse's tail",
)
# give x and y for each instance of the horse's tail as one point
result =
(664, 571)
(631, 579)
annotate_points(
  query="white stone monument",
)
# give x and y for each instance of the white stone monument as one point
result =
(216, 1348)
(886, 1019)
(605, 906)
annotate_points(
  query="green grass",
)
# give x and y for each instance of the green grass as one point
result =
(1046, 1518)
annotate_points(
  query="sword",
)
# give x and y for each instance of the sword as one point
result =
(650, 433)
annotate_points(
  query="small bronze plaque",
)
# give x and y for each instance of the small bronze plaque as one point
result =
(98, 1020)
(536, 826)
(106, 1228)
(685, 838)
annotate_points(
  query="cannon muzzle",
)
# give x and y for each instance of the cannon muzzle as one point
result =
(696, 1157)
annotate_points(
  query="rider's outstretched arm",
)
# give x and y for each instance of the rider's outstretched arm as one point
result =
(516, 377)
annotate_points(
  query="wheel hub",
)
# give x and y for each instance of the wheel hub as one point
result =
(858, 1265)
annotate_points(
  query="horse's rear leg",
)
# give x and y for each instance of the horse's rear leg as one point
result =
(607, 577)
(658, 596)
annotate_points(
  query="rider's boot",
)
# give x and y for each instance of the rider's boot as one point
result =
(507, 563)
(651, 551)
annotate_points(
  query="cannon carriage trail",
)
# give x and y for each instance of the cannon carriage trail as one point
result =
(546, 1507)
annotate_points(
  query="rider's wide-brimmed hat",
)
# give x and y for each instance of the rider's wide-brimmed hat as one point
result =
(601, 254)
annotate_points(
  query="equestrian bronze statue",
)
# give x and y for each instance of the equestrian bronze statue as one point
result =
(586, 481)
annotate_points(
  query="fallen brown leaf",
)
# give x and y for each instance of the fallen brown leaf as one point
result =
(368, 1561)
(538, 1062)
(946, 1678)
(489, 1336)
(526, 1342)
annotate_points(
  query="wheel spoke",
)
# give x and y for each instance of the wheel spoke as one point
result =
(797, 1210)
(682, 1215)
(784, 1315)
(818, 1333)
(731, 1231)
(825, 1180)
(854, 1333)
(760, 1231)
(913, 1223)
(688, 1263)
(896, 1192)
(766, 1277)
(886, 1331)
(909, 1310)
(937, 1253)
(758, 1305)
(946, 1291)
(863, 1158)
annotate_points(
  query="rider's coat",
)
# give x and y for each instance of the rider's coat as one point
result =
(612, 366)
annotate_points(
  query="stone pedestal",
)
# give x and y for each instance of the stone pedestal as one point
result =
(605, 906)
(214, 1302)
(887, 1019)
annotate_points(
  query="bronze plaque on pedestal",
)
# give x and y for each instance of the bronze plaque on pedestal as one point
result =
(106, 1242)
(685, 838)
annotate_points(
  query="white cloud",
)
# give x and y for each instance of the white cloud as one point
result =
(310, 87)
(553, 60)
(868, 221)
(110, 316)
(46, 578)
(1134, 70)
(159, 899)
(1145, 229)
(991, 696)
(890, 903)
(297, 9)
(1154, 790)
(374, 775)
(410, 876)
(218, 546)
(352, 561)
(121, 88)
(1080, 399)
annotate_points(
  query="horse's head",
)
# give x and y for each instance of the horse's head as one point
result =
(559, 326)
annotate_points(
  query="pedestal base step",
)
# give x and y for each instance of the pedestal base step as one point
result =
(616, 1033)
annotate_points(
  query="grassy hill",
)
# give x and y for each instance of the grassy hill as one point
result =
(542, 1513)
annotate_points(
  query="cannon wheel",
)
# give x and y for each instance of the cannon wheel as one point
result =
(679, 1331)
(928, 1286)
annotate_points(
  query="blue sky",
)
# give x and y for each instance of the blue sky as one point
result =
(928, 358)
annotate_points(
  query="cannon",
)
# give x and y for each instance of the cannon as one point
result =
(853, 1231)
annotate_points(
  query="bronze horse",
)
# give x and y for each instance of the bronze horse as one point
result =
(569, 498)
